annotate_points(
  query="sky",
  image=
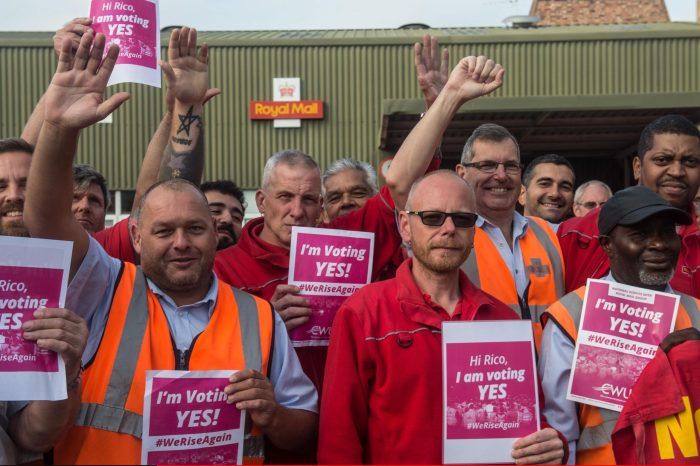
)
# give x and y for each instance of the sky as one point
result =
(232, 15)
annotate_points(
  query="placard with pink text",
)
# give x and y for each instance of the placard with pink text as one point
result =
(328, 265)
(620, 331)
(133, 25)
(489, 389)
(33, 275)
(186, 419)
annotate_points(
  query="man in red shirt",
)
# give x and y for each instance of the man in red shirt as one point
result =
(668, 163)
(385, 350)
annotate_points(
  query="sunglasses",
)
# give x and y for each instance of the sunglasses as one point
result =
(435, 218)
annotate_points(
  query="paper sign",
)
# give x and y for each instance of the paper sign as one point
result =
(187, 420)
(328, 265)
(620, 331)
(33, 274)
(489, 389)
(134, 26)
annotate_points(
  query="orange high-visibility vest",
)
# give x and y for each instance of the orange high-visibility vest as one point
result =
(543, 263)
(136, 339)
(594, 445)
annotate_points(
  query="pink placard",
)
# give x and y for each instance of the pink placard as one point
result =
(325, 258)
(131, 24)
(22, 291)
(328, 266)
(189, 421)
(490, 390)
(621, 328)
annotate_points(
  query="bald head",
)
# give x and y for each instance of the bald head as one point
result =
(439, 223)
(433, 186)
(176, 185)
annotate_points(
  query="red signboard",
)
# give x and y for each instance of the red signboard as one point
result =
(270, 110)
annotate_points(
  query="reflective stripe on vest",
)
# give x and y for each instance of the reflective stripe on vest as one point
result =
(471, 269)
(600, 435)
(554, 257)
(111, 415)
(691, 307)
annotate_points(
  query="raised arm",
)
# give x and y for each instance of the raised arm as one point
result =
(74, 100)
(432, 68)
(473, 77)
(73, 31)
(178, 76)
(188, 80)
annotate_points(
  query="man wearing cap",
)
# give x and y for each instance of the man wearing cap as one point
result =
(668, 163)
(638, 234)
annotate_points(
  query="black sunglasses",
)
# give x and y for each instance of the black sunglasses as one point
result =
(435, 218)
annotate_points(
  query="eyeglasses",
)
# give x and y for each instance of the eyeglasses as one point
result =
(435, 218)
(591, 204)
(490, 166)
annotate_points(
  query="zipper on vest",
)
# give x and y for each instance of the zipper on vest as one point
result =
(181, 359)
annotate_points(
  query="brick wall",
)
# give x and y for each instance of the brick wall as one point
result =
(567, 12)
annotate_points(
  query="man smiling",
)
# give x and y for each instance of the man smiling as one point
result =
(515, 259)
(548, 193)
(638, 235)
(15, 157)
(668, 163)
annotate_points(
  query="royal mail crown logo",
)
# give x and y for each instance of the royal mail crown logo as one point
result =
(287, 90)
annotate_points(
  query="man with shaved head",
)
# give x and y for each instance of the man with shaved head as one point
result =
(387, 335)
(173, 313)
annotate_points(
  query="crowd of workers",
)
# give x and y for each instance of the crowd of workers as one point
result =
(449, 245)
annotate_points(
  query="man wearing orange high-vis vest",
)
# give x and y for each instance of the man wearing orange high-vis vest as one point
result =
(638, 233)
(516, 259)
(172, 314)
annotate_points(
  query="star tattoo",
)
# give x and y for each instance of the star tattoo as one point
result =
(186, 122)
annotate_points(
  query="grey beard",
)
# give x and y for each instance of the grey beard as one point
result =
(655, 278)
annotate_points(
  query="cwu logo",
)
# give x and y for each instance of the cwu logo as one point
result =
(608, 389)
(319, 331)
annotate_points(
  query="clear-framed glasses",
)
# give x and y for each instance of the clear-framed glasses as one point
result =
(490, 166)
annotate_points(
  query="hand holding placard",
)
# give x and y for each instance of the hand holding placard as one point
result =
(62, 331)
(293, 308)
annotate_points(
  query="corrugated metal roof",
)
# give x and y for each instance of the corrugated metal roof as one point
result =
(402, 36)
(354, 73)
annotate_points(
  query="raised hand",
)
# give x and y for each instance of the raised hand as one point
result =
(187, 71)
(75, 97)
(475, 77)
(73, 30)
(431, 71)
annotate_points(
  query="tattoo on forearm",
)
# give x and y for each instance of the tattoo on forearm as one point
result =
(187, 164)
(186, 121)
(184, 142)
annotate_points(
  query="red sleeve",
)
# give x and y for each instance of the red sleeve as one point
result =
(583, 256)
(377, 216)
(344, 402)
(116, 241)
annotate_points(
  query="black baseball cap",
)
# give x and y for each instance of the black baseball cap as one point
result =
(633, 205)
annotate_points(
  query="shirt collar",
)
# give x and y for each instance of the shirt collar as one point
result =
(519, 224)
(209, 299)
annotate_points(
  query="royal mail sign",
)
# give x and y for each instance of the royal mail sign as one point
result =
(287, 110)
